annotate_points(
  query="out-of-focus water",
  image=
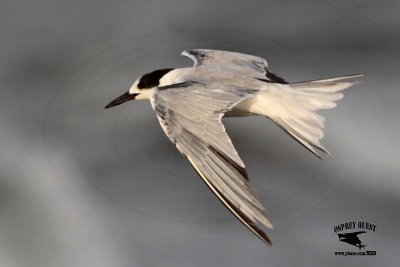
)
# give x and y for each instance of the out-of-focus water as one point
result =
(84, 186)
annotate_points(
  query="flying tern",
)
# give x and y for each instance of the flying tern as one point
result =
(190, 103)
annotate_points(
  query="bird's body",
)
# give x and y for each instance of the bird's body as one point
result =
(216, 77)
(190, 103)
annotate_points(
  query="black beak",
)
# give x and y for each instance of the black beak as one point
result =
(121, 99)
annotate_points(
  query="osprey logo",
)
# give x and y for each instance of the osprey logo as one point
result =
(347, 233)
(352, 239)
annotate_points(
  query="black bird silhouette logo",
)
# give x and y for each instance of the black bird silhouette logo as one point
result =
(352, 239)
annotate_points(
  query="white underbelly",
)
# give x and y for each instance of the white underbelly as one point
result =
(244, 108)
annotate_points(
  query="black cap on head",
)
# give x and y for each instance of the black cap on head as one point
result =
(152, 79)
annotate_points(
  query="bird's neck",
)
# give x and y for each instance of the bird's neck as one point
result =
(175, 76)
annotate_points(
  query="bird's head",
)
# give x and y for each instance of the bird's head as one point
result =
(141, 88)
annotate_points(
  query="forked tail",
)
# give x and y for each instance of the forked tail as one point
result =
(293, 107)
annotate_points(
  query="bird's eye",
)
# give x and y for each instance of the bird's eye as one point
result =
(140, 85)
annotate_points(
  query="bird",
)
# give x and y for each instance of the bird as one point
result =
(190, 103)
(352, 239)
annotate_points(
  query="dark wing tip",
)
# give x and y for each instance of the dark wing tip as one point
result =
(249, 223)
(275, 78)
(261, 234)
(232, 208)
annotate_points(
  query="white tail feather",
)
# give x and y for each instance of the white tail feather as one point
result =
(293, 107)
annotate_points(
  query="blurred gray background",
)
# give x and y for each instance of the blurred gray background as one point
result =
(82, 186)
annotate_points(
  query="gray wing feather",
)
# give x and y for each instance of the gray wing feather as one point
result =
(190, 115)
(237, 62)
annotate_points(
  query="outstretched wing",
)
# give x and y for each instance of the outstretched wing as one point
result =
(190, 114)
(243, 64)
